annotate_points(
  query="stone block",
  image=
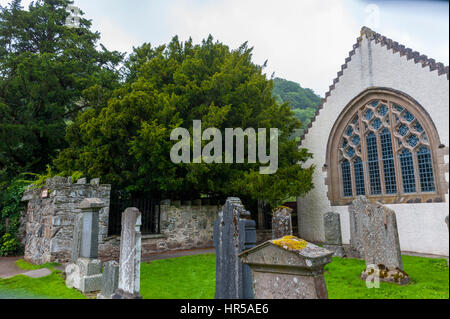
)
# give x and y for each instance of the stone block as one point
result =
(90, 284)
(89, 267)
(110, 281)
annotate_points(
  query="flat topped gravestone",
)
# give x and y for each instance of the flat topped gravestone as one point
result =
(90, 208)
(288, 268)
(84, 273)
(130, 256)
(282, 222)
(233, 233)
(376, 228)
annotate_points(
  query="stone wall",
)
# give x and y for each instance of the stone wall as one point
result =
(183, 227)
(49, 222)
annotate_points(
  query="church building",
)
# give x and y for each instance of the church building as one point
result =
(382, 132)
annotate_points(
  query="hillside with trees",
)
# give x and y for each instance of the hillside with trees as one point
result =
(303, 102)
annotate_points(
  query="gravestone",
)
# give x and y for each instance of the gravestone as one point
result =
(333, 234)
(288, 268)
(356, 246)
(84, 273)
(234, 232)
(282, 223)
(130, 256)
(110, 281)
(446, 221)
(77, 234)
(377, 226)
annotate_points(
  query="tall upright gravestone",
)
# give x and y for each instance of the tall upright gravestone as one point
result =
(282, 223)
(376, 226)
(84, 273)
(333, 234)
(130, 256)
(234, 232)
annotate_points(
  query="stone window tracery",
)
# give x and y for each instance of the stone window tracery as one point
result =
(384, 150)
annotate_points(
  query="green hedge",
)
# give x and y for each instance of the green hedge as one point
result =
(10, 208)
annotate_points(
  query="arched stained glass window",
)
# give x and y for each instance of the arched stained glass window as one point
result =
(384, 149)
(359, 177)
(426, 170)
(374, 167)
(390, 181)
(409, 180)
(347, 178)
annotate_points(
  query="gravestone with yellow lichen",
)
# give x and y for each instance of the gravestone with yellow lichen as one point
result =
(288, 268)
(377, 227)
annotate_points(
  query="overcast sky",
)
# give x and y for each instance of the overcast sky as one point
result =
(304, 40)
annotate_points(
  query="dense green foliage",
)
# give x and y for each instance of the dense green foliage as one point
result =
(10, 208)
(47, 71)
(193, 277)
(304, 102)
(124, 137)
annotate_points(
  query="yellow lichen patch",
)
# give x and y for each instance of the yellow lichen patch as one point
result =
(291, 243)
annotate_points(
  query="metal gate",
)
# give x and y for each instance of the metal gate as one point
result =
(149, 208)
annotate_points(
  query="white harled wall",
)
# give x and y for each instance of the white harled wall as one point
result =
(422, 227)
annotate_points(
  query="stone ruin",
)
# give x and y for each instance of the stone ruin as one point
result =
(52, 213)
(288, 268)
(234, 232)
(374, 236)
(282, 223)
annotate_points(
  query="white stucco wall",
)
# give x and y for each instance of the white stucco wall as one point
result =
(422, 228)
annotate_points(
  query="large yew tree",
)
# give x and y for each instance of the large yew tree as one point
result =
(47, 73)
(126, 139)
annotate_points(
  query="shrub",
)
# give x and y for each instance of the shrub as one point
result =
(10, 208)
(9, 246)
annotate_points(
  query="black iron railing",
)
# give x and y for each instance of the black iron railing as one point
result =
(149, 208)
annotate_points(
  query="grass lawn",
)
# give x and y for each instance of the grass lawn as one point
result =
(429, 278)
(193, 277)
(50, 287)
